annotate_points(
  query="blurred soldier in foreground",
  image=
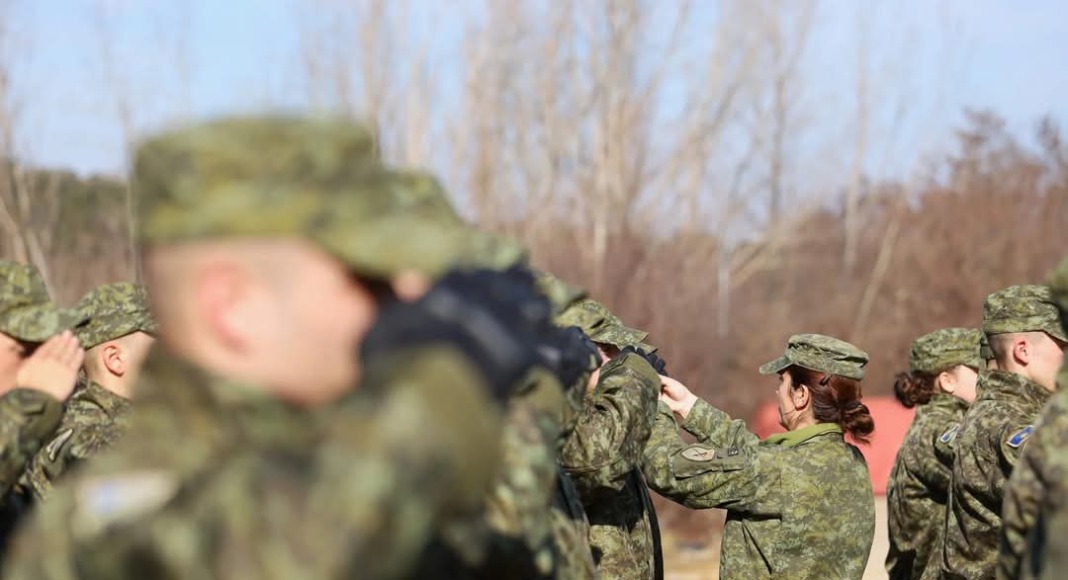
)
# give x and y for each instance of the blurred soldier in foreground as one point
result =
(1034, 536)
(943, 371)
(271, 246)
(116, 340)
(39, 361)
(604, 451)
(1027, 341)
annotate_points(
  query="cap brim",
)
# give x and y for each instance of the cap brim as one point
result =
(39, 323)
(618, 335)
(776, 366)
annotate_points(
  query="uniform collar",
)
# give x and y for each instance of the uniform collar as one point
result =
(799, 436)
(93, 392)
(1003, 384)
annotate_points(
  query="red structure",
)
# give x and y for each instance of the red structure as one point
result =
(891, 422)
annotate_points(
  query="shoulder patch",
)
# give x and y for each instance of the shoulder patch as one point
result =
(1017, 439)
(107, 500)
(950, 434)
(698, 453)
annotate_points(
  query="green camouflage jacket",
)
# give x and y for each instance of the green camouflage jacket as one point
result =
(799, 505)
(990, 440)
(94, 419)
(918, 490)
(532, 526)
(1034, 534)
(27, 419)
(217, 480)
(603, 455)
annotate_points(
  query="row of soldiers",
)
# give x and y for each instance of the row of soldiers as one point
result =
(979, 485)
(349, 382)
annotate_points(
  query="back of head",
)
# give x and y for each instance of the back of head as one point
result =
(1021, 309)
(932, 354)
(114, 310)
(832, 369)
(1058, 285)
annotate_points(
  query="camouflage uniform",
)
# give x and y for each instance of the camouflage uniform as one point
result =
(27, 417)
(919, 483)
(218, 479)
(799, 505)
(1034, 535)
(533, 525)
(603, 454)
(94, 417)
(992, 435)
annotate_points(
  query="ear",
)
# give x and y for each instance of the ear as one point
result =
(947, 381)
(222, 293)
(114, 359)
(801, 396)
(1021, 351)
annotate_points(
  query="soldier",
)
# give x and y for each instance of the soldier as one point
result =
(1027, 341)
(270, 246)
(943, 370)
(39, 360)
(799, 504)
(116, 339)
(603, 454)
(1034, 534)
(534, 525)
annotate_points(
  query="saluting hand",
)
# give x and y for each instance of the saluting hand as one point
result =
(53, 367)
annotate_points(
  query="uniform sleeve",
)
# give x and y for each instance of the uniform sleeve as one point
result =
(607, 441)
(27, 419)
(721, 473)
(1034, 488)
(716, 428)
(390, 470)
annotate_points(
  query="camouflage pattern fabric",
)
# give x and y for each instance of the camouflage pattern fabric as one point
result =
(94, 419)
(27, 420)
(600, 324)
(114, 310)
(799, 505)
(1030, 545)
(918, 490)
(560, 294)
(946, 348)
(820, 353)
(995, 430)
(603, 455)
(26, 311)
(319, 180)
(1022, 309)
(255, 488)
(1034, 537)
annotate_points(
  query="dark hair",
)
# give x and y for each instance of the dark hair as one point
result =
(912, 388)
(836, 399)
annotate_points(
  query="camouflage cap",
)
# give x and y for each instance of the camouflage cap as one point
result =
(820, 353)
(1058, 285)
(27, 313)
(946, 348)
(560, 294)
(114, 310)
(319, 179)
(1027, 308)
(600, 324)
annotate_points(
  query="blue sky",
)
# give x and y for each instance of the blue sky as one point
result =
(205, 57)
